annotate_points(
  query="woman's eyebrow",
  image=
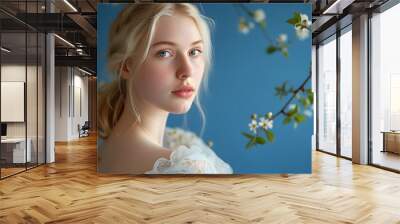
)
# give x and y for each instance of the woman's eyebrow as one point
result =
(174, 44)
(197, 42)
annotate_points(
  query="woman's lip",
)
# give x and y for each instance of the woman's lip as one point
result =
(183, 93)
(185, 88)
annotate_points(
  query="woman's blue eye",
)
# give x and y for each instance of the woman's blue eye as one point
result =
(195, 52)
(164, 54)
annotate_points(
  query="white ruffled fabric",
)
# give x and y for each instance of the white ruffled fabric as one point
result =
(190, 155)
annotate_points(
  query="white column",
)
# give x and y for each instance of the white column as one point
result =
(50, 93)
(50, 110)
(360, 90)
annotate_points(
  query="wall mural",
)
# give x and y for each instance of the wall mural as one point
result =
(204, 88)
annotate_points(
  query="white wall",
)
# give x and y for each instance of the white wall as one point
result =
(61, 103)
(12, 73)
(70, 83)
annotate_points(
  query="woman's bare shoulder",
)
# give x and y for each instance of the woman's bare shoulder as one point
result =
(133, 156)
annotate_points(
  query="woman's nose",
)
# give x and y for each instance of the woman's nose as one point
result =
(185, 68)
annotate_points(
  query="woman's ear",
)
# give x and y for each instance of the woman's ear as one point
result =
(126, 69)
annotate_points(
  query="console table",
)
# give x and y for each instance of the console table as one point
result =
(391, 141)
(13, 150)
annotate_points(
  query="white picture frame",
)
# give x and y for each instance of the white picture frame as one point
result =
(12, 101)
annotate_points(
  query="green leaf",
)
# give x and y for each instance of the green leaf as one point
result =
(287, 120)
(281, 91)
(295, 124)
(263, 24)
(249, 136)
(311, 98)
(251, 143)
(270, 135)
(292, 21)
(295, 19)
(297, 16)
(271, 49)
(284, 52)
(305, 102)
(260, 140)
(299, 118)
(292, 111)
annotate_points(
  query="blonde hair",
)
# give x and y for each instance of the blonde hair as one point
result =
(129, 37)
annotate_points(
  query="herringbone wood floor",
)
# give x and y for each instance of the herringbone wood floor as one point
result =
(70, 191)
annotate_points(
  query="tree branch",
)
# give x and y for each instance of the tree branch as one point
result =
(294, 93)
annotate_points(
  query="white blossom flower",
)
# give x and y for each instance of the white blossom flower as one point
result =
(244, 26)
(244, 29)
(282, 38)
(302, 33)
(308, 113)
(303, 29)
(251, 25)
(292, 106)
(253, 126)
(304, 20)
(259, 15)
(266, 123)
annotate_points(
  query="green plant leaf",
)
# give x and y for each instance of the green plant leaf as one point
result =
(251, 143)
(310, 98)
(299, 118)
(293, 111)
(296, 19)
(263, 24)
(270, 135)
(297, 16)
(285, 53)
(305, 102)
(249, 136)
(287, 120)
(281, 91)
(292, 21)
(295, 124)
(260, 140)
(271, 49)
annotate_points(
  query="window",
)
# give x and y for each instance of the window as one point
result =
(385, 89)
(346, 92)
(327, 95)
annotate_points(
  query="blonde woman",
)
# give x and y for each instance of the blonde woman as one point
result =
(159, 55)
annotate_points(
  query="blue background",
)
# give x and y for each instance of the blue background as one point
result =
(242, 81)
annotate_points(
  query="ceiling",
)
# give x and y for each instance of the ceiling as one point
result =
(76, 22)
(22, 21)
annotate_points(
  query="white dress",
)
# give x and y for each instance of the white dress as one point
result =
(190, 155)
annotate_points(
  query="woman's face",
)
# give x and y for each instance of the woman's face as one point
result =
(171, 74)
